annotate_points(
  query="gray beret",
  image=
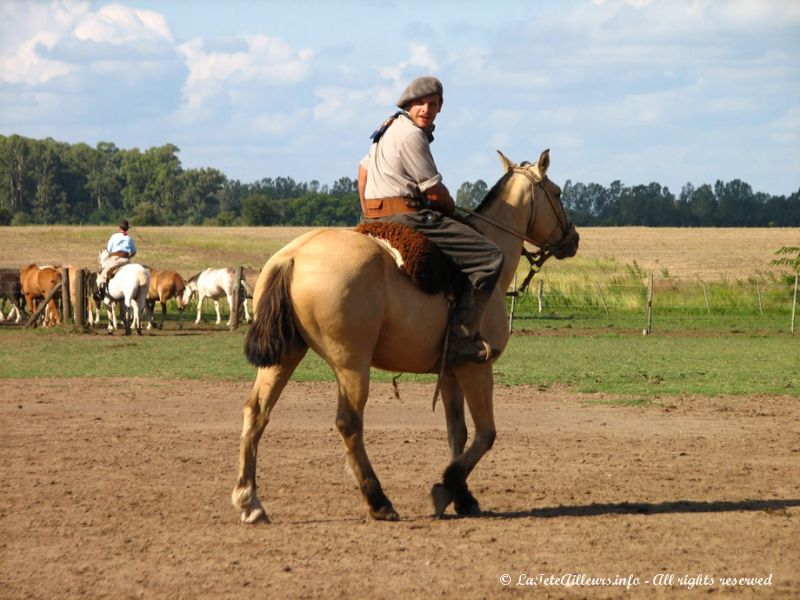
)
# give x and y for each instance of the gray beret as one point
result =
(419, 88)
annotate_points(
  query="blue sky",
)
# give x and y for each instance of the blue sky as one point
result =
(637, 90)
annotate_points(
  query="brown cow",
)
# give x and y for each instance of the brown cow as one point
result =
(37, 282)
(165, 284)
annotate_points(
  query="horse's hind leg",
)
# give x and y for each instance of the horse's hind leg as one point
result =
(267, 388)
(478, 380)
(353, 392)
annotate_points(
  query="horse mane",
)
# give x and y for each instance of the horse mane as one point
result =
(493, 193)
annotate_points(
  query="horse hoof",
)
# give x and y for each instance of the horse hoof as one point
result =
(442, 497)
(467, 507)
(255, 516)
(385, 513)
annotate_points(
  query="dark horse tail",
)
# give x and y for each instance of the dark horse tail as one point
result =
(273, 330)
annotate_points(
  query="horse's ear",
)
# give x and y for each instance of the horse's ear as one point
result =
(507, 164)
(544, 162)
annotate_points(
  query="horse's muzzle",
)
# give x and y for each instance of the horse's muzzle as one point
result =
(568, 246)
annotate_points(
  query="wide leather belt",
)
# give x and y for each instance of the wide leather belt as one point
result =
(384, 207)
(121, 254)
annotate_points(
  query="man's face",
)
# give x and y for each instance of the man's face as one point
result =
(423, 110)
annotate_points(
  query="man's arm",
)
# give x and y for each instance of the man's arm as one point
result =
(362, 185)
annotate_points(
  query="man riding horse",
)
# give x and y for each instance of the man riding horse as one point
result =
(398, 182)
(121, 249)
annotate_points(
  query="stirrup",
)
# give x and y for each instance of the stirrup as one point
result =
(477, 351)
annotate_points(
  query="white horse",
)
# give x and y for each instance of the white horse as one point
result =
(214, 284)
(129, 285)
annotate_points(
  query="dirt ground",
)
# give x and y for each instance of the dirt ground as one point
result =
(120, 488)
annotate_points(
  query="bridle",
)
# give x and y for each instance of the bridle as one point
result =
(545, 249)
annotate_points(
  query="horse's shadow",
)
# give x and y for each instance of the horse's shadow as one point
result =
(644, 508)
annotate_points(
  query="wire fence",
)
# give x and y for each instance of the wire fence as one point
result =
(658, 304)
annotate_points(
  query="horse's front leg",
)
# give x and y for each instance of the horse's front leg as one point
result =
(216, 308)
(353, 392)
(453, 401)
(267, 388)
(199, 307)
(477, 381)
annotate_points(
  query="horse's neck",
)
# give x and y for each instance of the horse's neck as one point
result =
(510, 209)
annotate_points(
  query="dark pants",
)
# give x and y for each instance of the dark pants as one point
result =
(477, 257)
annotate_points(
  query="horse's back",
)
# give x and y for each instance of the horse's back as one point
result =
(215, 282)
(347, 292)
(133, 279)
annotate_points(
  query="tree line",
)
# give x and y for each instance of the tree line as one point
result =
(48, 182)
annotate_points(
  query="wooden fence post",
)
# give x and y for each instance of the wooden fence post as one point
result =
(65, 297)
(602, 297)
(79, 301)
(237, 294)
(649, 329)
(794, 301)
(540, 295)
(705, 293)
(760, 302)
(513, 306)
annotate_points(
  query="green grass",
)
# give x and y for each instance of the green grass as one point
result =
(655, 365)
(601, 294)
(640, 368)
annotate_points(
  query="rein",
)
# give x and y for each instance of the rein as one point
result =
(535, 259)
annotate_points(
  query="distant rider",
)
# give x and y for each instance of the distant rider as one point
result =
(121, 249)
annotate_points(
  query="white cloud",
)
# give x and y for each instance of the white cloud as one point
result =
(27, 66)
(420, 55)
(120, 25)
(39, 40)
(265, 61)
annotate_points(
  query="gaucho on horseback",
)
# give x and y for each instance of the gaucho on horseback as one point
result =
(398, 182)
(121, 249)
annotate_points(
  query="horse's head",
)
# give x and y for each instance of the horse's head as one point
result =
(189, 290)
(549, 226)
(102, 258)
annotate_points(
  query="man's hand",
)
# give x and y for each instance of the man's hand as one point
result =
(440, 199)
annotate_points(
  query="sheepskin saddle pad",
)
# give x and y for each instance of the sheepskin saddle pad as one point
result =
(416, 256)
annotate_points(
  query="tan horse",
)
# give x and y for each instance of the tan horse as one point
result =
(341, 294)
(37, 282)
(165, 284)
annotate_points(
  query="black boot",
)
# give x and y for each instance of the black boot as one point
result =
(101, 292)
(465, 343)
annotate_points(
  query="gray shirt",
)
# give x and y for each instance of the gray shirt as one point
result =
(400, 163)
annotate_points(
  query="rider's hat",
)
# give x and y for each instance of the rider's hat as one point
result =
(419, 88)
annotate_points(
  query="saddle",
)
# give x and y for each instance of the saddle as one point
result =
(416, 256)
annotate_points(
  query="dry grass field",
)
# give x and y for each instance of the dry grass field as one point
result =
(712, 254)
